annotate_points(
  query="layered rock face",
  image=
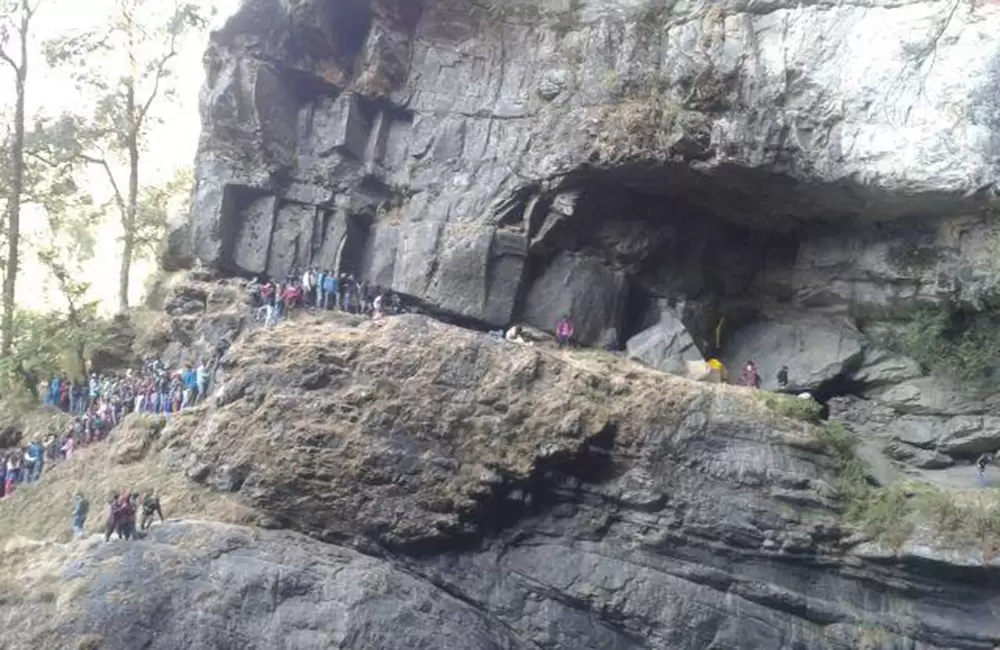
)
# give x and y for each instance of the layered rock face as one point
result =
(512, 497)
(784, 178)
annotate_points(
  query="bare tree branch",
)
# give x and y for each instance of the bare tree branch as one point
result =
(8, 60)
(103, 163)
(160, 71)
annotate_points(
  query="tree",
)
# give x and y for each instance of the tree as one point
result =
(15, 25)
(65, 246)
(139, 46)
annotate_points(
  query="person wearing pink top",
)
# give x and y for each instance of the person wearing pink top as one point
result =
(67, 447)
(564, 331)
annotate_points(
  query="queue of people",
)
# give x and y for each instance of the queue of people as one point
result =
(97, 406)
(319, 289)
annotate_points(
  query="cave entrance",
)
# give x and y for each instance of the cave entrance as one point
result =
(618, 251)
(353, 245)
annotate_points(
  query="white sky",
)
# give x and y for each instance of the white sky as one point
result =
(171, 146)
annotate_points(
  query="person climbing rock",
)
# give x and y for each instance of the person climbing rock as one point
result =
(564, 331)
(150, 507)
(750, 377)
(783, 378)
(81, 507)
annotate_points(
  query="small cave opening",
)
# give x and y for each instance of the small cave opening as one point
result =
(620, 248)
(843, 385)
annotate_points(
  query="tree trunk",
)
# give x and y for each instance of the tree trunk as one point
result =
(131, 206)
(17, 188)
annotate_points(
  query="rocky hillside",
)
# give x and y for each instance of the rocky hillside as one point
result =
(810, 184)
(695, 179)
(461, 492)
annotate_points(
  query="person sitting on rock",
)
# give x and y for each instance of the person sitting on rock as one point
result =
(564, 331)
(514, 335)
(783, 378)
(81, 507)
(750, 377)
(150, 507)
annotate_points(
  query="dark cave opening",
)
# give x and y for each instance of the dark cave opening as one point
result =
(840, 386)
(655, 248)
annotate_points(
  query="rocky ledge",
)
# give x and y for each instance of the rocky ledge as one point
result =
(511, 496)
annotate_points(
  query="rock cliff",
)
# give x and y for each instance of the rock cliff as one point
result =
(501, 497)
(781, 181)
(805, 184)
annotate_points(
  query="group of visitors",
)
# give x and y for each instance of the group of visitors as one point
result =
(120, 515)
(97, 406)
(319, 289)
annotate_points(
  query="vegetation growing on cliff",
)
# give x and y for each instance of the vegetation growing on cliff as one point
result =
(950, 341)
(893, 513)
(807, 410)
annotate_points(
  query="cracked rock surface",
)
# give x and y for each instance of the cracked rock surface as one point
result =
(510, 496)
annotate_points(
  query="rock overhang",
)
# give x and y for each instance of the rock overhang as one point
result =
(447, 153)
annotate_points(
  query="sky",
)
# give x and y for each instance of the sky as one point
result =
(171, 146)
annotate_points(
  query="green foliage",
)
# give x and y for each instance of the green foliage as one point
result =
(127, 67)
(953, 342)
(50, 342)
(891, 513)
(878, 512)
(960, 523)
(807, 410)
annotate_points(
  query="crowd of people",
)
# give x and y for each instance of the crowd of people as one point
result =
(317, 288)
(97, 405)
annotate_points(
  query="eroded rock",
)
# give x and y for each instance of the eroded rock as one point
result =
(814, 349)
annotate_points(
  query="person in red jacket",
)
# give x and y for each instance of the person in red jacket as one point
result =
(290, 297)
(750, 377)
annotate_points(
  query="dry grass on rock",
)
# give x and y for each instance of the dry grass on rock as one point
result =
(408, 430)
(42, 511)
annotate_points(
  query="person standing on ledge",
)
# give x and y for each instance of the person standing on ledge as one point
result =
(81, 507)
(750, 377)
(983, 462)
(564, 331)
(783, 378)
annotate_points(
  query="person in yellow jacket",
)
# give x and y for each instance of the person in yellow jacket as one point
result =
(717, 369)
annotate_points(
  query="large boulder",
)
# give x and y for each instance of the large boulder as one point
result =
(814, 348)
(666, 346)
(584, 288)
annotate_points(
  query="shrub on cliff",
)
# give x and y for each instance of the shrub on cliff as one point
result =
(951, 341)
(807, 410)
